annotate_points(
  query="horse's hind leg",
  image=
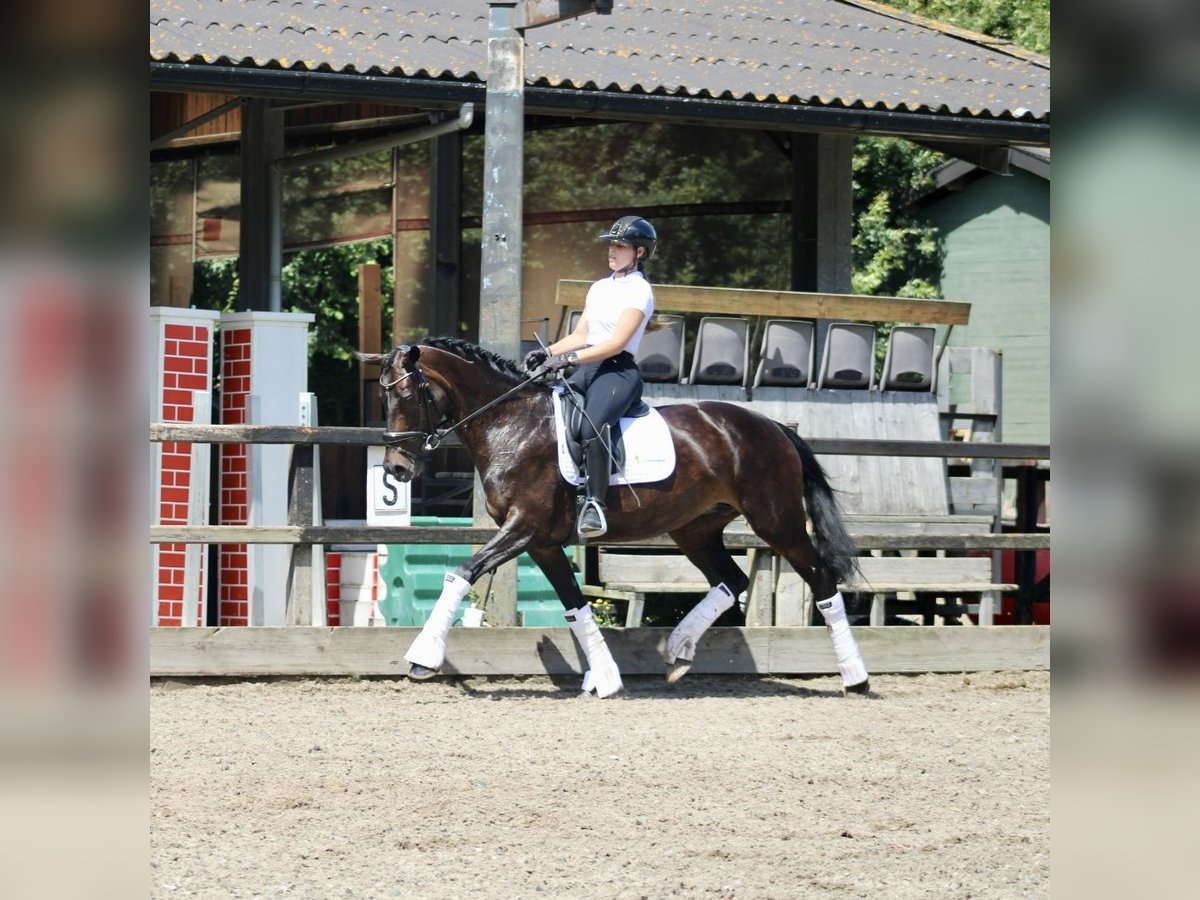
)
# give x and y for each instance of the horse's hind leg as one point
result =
(793, 543)
(701, 543)
(602, 675)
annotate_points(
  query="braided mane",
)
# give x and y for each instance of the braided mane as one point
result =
(474, 353)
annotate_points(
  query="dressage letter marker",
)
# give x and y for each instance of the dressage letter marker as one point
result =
(389, 502)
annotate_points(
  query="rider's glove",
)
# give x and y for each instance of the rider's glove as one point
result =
(534, 358)
(564, 362)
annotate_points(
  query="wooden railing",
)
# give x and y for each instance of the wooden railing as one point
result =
(302, 535)
(679, 298)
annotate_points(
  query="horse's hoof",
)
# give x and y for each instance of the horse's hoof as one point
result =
(863, 687)
(678, 669)
(421, 673)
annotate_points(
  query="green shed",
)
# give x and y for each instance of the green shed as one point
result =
(996, 238)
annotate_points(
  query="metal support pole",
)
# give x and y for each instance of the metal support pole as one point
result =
(503, 208)
(260, 251)
(503, 177)
(445, 228)
(804, 212)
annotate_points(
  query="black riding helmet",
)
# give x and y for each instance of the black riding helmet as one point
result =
(633, 230)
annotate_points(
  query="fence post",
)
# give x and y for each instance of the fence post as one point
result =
(370, 339)
(760, 606)
(300, 512)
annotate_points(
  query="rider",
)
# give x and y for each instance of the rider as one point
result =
(615, 314)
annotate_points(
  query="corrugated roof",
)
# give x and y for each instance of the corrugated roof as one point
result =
(817, 52)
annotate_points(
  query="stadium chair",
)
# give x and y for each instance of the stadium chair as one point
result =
(849, 358)
(722, 354)
(660, 354)
(788, 353)
(908, 365)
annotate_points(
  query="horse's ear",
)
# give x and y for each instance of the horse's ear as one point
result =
(371, 359)
(411, 355)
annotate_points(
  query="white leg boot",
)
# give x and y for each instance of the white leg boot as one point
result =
(602, 675)
(850, 661)
(682, 642)
(429, 648)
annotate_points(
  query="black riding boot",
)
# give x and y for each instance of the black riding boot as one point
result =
(592, 523)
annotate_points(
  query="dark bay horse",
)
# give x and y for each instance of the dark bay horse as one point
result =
(730, 461)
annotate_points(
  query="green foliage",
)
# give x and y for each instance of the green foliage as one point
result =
(894, 254)
(215, 284)
(325, 282)
(606, 613)
(1024, 22)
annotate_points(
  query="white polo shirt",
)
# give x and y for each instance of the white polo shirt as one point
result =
(611, 296)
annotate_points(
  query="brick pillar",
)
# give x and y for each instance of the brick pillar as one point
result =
(264, 369)
(333, 588)
(182, 343)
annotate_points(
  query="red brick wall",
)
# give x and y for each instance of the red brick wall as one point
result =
(185, 369)
(333, 588)
(235, 489)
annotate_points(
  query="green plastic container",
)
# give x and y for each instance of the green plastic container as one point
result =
(413, 576)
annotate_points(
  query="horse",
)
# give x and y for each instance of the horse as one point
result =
(729, 461)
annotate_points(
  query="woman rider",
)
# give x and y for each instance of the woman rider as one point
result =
(615, 314)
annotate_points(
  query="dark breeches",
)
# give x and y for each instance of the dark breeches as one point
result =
(609, 388)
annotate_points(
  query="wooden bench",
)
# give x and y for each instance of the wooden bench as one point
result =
(778, 596)
(923, 578)
(889, 496)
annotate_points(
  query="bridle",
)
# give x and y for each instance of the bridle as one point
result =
(431, 438)
(437, 429)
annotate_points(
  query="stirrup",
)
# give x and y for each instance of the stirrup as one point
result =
(588, 529)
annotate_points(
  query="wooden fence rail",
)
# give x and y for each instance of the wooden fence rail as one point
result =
(303, 536)
(366, 437)
(781, 650)
(390, 534)
(301, 486)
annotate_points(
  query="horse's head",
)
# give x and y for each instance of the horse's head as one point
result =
(411, 411)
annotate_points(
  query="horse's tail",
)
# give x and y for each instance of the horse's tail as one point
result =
(833, 543)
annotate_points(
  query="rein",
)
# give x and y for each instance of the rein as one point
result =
(431, 440)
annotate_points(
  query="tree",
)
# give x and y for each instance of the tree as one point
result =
(325, 282)
(894, 254)
(1024, 22)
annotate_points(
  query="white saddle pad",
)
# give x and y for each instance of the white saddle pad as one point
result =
(649, 450)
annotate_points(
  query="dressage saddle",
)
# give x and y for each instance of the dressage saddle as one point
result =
(573, 421)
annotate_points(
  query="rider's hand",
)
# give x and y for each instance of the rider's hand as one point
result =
(534, 358)
(563, 362)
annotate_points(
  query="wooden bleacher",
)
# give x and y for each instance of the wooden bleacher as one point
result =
(878, 494)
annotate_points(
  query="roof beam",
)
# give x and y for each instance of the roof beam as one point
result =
(532, 13)
(466, 115)
(989, 157)
(192, 124)
(600, 104)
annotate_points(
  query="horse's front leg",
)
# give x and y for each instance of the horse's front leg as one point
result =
(428, 651)
(602, 674)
